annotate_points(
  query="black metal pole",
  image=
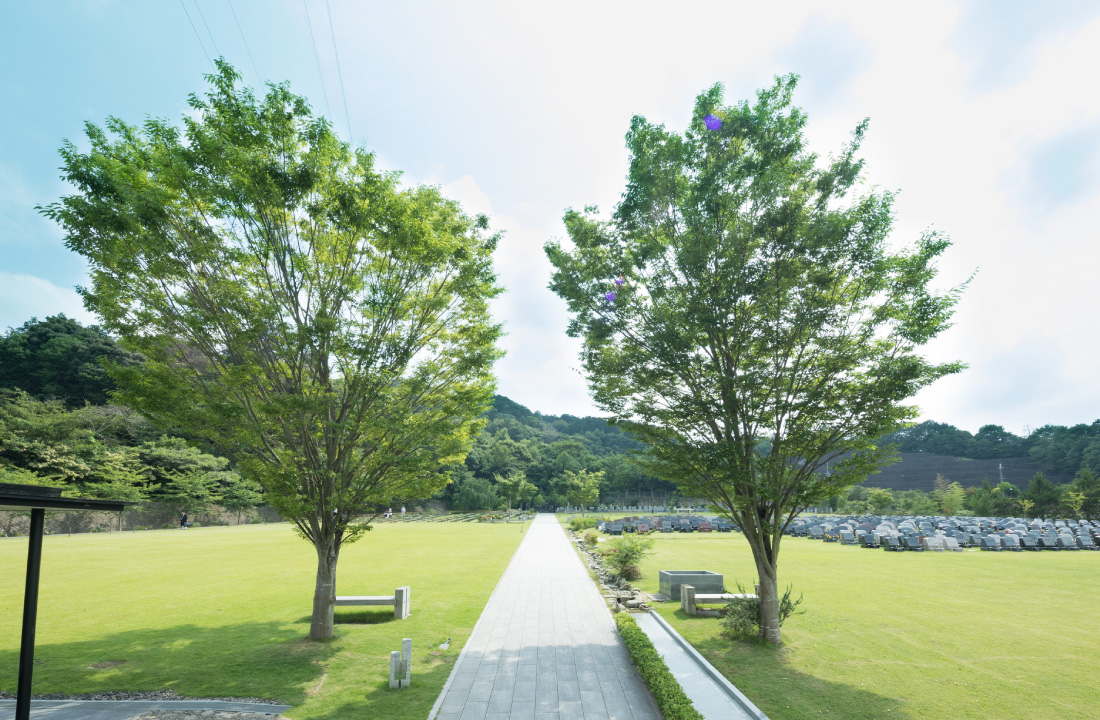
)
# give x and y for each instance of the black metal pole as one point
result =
(30, 616)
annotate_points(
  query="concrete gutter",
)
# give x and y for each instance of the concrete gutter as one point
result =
(736, 705)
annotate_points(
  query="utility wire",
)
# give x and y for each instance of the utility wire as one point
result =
(203, 17)
(259, 79)
(339, 74)
(328, 110)
(189, 20)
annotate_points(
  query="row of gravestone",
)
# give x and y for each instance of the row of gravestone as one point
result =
(953, 533)
(650, 509)
(665, 524)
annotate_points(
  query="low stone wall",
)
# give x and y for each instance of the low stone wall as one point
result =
(619, 593)
(146, 516)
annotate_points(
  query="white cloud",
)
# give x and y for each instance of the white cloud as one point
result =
(540, 369)
(25, 296)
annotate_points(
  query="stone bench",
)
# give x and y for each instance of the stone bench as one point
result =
(399, 600)
(689, 600)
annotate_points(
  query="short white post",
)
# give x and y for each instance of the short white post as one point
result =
(407, 660)
(395, 669)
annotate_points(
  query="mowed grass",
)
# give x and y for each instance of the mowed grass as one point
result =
(978, 635)
(216, 612)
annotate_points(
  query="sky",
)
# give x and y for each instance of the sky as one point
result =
(980, 117)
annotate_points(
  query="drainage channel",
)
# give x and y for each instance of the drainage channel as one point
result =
(713, 695)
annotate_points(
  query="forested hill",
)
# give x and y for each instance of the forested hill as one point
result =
(1057, 450)
(594, 432)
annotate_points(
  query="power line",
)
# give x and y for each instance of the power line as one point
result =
(328, 110)
(203, 17)
(259, 79)
(339, 74)
(196, 33)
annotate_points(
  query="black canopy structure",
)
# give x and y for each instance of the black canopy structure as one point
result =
(38, 500)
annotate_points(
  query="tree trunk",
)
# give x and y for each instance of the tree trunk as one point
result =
(324, 595)
(769, 603)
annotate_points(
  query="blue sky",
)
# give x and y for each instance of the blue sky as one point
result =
(981, 116)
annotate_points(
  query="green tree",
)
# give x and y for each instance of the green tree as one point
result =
(191, 492)
(1087, 483)
(515, 488)
(473, 493)
(1046, 497)
(582, 488)
(880, 499)
(58, 358)
(982, 502)
(295, 305)
(758, 302)
(239, 494)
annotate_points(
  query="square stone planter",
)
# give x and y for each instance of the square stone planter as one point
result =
(704, 582)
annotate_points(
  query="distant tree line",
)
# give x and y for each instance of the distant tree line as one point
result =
(1041, 499)
(1062, 450)
(59, 428)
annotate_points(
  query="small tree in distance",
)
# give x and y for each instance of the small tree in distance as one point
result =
(582, 488)
(738, 295)
(295, 306)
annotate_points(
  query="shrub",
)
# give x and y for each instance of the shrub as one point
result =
(741, 617)
(624, 553)
(591, 539)
(670, 697)
(582, 523)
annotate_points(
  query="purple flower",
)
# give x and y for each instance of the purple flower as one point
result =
(618, 281)
(712, 122)
(610, 296)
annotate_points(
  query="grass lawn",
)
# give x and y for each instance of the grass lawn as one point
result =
(211, 612)
(908, 636)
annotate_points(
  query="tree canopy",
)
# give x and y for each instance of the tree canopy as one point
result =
(743, 315)
(296, 306)
(58, 358)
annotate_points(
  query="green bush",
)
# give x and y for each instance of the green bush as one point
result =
(591, 539)
(741, 617)
(583, 523)
(670, 697)
(624, 553)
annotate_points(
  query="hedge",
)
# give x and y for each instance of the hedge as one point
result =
(672, 701)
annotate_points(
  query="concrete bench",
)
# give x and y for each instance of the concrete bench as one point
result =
(399, 600)
(689, 600)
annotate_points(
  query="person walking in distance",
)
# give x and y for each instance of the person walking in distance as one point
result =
(183, 520)
(402, 512)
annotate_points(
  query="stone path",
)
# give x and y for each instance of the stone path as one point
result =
(545, 647)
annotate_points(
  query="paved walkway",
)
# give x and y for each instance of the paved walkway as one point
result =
(545, 647)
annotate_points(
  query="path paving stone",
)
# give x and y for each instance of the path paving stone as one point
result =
(545, 647)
